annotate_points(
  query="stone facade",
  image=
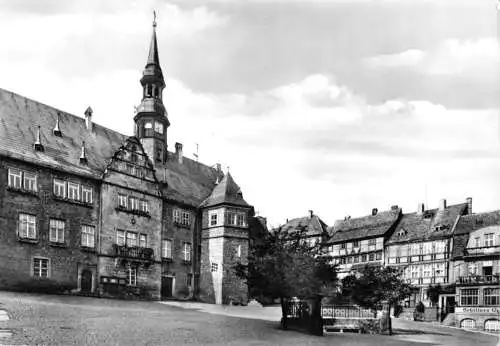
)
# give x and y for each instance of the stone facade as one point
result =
(223, 245)
(87, 210)
(65, 256)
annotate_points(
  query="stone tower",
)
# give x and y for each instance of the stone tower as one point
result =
(224, 242)
(151, 121)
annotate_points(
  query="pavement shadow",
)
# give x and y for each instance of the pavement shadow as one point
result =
(400, 331)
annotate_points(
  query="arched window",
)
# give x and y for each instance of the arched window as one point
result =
(468, 323)
(492, 325)
(149, 90)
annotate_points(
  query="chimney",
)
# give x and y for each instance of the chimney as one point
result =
(178, 151)
(420, 208)
(38, 141)
(374, 211)
(311, 214)
(88, 118)
(442, 205)
(469, 205)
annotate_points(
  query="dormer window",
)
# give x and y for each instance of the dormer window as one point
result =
(401, 233)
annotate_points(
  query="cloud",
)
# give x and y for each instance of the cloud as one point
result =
(478, 57)
(408, 58)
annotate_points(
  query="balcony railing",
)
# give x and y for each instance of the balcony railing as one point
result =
(483, 250)
(479, 280)
(134, 252)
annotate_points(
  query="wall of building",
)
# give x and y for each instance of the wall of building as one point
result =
(66, 260)
(176, 267)
(116, 219)
(222, 247)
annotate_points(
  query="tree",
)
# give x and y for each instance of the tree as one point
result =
(285, 266)
(433, 293)
(374, 287)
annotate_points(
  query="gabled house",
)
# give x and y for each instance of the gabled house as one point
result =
(310, 229)
(356, 242)
(421, 246)
(476, 267)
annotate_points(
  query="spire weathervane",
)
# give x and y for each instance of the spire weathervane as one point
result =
(154, 19)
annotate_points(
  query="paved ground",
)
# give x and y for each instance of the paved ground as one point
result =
(62, 320)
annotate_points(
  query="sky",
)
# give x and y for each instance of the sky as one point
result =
(332, 106)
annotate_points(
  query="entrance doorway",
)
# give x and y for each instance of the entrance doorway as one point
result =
(167, 283)
(86, 281)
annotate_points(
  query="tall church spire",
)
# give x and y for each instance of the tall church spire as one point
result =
(153, 58)
(151, 120)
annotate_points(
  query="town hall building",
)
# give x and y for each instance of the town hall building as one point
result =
(89, 210)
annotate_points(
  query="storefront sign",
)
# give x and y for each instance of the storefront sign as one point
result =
(478, 310)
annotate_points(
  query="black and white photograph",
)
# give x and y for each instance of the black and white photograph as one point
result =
(250, 172)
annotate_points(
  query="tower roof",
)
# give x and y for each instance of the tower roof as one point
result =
(153, 68)
(226, 192)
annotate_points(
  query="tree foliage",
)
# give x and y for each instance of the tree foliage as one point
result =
(433, 293)
(285, 266)
(373, 286)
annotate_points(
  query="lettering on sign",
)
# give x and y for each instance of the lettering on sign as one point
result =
(474, 310)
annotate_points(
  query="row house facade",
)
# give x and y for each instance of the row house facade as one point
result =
(476, 267)
(421, 245)
(86, 209)
(357, 242)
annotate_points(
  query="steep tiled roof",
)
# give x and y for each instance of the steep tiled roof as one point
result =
(365, 227)
(226, 192)
(469, 223)
(431, 224)
(19, 117)
(189, 182)
(312, 225)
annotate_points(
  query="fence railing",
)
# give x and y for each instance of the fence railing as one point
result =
(347, 312)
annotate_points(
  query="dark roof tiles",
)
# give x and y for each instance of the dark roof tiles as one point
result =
(431, 224)
(365, 226)
(226, 192)
(469, 223)
(189, 182)
(312, 225)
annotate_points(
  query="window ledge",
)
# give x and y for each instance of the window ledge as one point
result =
(134, 212)
(56, 244)
(72, 201)
(23, 191)
(187, 262)
(27, 240)
(168, 260)
(181, 225)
